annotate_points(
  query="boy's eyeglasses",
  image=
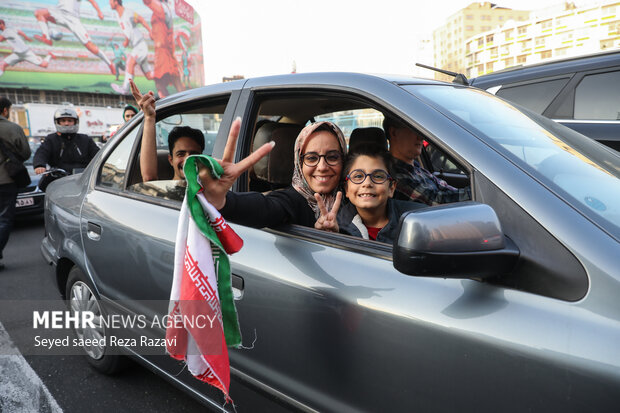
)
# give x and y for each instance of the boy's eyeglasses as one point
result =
(332, 158)
(378, 176)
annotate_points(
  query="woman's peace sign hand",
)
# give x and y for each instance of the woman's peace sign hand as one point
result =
(327, 220)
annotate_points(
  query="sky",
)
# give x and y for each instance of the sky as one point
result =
(265, 37)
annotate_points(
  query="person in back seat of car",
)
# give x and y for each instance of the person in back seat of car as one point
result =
(415, 183)
(319, 152)
(183, 141)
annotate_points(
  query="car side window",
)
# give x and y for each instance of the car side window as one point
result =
(280, 118)
(207, 123)
(440, 161)
(207, 120)
(534, 96)
(349, 120)
(114, 168)
(597, 97)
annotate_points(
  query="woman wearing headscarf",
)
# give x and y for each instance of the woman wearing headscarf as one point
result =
(319, 153)
(129, 112)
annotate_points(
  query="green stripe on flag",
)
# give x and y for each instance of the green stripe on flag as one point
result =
(224, 284)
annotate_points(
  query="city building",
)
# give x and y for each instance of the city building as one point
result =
(424, 54)
(552, 33)
(449, 39)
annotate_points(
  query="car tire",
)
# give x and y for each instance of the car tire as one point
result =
(80, 295)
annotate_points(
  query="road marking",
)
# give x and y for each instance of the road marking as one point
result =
(21, 390)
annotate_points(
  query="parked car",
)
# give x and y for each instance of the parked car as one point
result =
(508, 301)
(582, 93)
(30, 200)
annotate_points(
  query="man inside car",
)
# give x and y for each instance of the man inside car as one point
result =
(183, 141)
(413, 182)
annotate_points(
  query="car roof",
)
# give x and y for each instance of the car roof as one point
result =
(546, 69)
(334, 78)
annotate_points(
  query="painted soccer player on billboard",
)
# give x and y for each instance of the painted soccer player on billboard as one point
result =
(99, 47)
(128, 21)
(21, 52)
(162, 33)
(67, 14)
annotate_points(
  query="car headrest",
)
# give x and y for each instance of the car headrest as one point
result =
(365, 136)
(277, 167)
(164, 169)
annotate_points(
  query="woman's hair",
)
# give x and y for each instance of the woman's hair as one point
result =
(372, 151)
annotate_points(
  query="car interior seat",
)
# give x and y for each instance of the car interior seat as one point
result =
(275, 170)
(365, 136)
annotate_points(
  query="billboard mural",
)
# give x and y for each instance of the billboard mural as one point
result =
(98, 45)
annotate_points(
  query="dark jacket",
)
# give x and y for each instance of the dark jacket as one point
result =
(395, 209)
(66, 151)
(253, 209)
(14, 140)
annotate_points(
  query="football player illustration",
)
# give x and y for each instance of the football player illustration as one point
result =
(162, 32)
(67, 14)
(21, 51)
(183, 38)
(128, 21)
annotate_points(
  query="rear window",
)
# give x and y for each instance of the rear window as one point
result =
(534, 96)
(597, 97)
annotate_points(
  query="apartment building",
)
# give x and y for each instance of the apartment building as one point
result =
(449, 39)
(555, 33)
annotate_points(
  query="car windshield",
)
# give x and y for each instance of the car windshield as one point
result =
(579, 170)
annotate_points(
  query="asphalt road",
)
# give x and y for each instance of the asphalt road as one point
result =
(70, 380)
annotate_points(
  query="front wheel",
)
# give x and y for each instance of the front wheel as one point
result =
(81, 297)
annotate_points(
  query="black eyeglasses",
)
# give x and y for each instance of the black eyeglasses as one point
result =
(378, 176)
(332, 158)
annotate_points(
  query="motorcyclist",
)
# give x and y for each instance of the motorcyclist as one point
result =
(66, 149)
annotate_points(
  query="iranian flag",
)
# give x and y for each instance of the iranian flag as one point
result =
(203, 318)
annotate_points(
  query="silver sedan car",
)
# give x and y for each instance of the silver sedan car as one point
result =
(508, 302)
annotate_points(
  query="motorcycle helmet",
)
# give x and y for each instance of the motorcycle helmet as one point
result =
(66, 112)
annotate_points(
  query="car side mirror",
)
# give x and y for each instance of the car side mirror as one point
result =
(460, 240)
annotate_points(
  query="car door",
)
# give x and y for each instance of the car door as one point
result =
(329, 324)
(327, 320)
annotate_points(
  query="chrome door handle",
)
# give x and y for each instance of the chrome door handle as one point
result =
(93, 231)
(237, 287)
